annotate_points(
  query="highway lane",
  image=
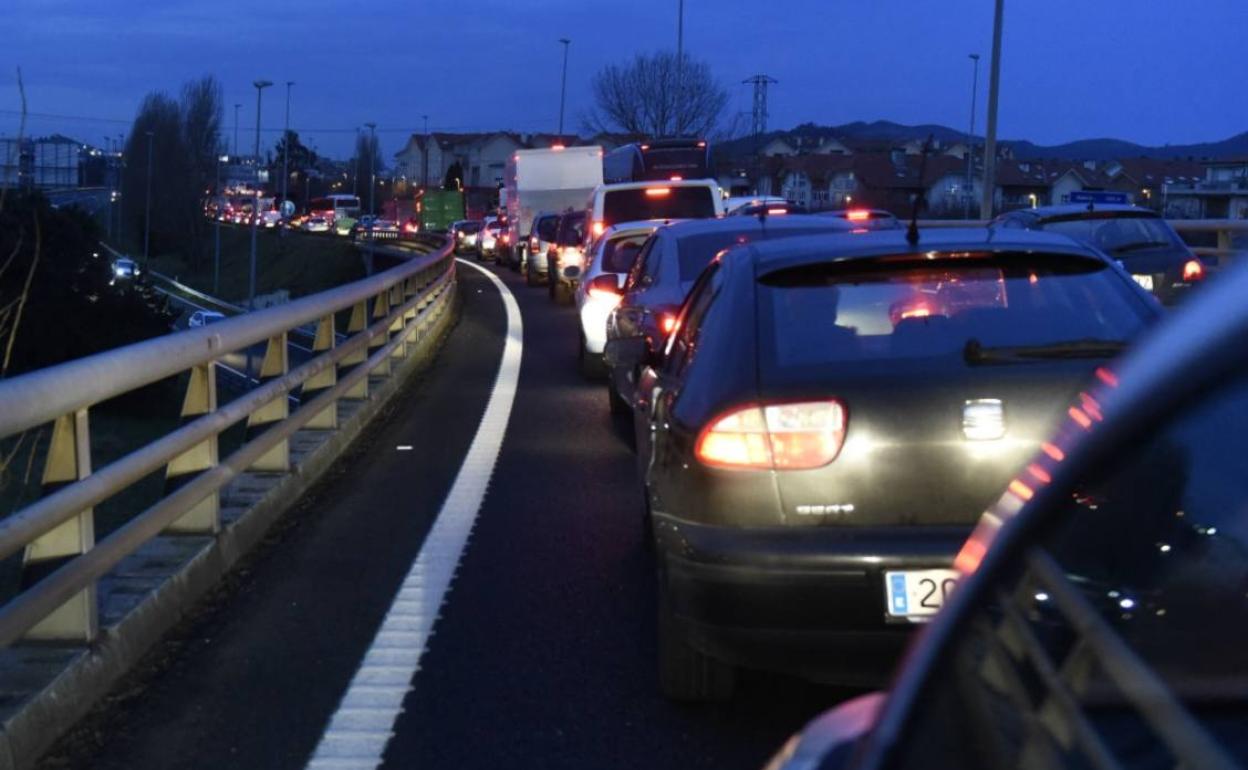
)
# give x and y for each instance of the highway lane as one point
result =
(543, 655)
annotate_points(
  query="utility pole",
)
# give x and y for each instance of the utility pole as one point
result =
(121, 170)
(970, 142)
(236, 107)
(147, 214)
(425, 163)
(680, 39)
(990, 142)
(563, 87)
(255, 206)
(286, 154)
(372, 171)
(759, 117)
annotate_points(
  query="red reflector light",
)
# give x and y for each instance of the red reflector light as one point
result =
(858, 215)
(658, 192)
(782, 436)
(1193, 270)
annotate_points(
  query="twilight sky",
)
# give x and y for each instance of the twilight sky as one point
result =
(1151, 71)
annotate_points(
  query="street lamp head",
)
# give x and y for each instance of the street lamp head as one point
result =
(371, 126)
(564, 40)
(974, 56)
(262, 84)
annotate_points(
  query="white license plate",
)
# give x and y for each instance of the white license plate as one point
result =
(918, 594)
(1144, 280)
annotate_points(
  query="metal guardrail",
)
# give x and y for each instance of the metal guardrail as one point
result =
(389, 314)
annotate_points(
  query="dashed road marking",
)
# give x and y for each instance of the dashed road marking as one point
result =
(360, 729)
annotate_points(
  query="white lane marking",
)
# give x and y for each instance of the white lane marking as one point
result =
(364, 722)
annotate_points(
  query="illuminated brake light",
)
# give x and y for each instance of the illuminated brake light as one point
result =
(701, 144)
(922, 311)
(667, 323)
(1193, 270)
(858, 215)
(645, 147)
(774, 436)
(677, 178)
(598, 228)
(658, 192)
(777, 212)
(557, 147)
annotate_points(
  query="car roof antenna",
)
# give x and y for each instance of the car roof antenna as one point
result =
(912, 233)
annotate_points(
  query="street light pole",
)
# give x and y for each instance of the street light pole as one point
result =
(255, 206)
(680, 40)
(990, 141)
(236, 108)
(121, 178)
(424, 183)
(216, 252)
(970, 142)
(372, 171)
(563, 87)
(286, 152)
(147, 213)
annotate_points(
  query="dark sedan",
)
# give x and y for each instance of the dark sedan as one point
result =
(666, 268)
(1145, 244)
(829, 419)
(1101, 617)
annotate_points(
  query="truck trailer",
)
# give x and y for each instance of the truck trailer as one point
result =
(554, 180)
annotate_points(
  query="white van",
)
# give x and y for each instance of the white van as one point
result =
(611, 204)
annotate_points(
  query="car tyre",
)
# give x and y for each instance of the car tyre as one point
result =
(687, 674)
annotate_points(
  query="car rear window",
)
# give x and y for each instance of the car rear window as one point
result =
(695, 252)
(832, 313)
(636, 204)
(546, 227)
(572, 229)
(1115, 233)
(618, 254)
(470, 227)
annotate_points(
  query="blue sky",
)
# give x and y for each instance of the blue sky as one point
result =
(1151, 71)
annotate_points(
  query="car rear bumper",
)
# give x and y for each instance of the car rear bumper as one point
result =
(808, 601)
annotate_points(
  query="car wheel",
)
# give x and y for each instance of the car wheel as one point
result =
(589, 364)
(686, 674)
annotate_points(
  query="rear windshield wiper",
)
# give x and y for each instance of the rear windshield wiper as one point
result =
(1140, 246)
(976, 353)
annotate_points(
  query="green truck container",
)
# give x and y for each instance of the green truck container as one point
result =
(437, 209)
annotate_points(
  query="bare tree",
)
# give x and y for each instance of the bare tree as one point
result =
(367, 149)
(201, 112)
(653, 95)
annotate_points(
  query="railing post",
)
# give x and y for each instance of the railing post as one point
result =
(201, 399)
(326, 419)
(69, 460)
(357, 323)
(275, 364)
(381, 309)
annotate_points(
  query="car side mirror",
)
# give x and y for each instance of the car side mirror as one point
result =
(627, 352)
(572, 272)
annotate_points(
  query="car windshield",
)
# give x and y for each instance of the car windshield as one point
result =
(831, 314)
(618, 253)
(695, 202)
(1116, 234)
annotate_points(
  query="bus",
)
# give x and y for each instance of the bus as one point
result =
(660, 159)
(335, 207)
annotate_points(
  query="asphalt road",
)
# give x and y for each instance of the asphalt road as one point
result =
(544, 653)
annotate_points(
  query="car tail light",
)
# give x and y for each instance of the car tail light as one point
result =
(658, 192)
(667, 322)
(776, 212)
(533, 244)
(782, 436)
(858, 215)
(598, 228)
(1193, 270)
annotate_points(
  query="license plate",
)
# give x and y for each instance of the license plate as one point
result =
(918, 594)
(1144, 280)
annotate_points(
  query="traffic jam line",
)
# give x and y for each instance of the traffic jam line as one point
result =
(363, 725)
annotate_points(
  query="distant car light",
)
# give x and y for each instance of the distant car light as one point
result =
(1193, 270)
(858, 215)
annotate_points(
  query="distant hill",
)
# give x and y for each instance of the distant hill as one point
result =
(1084, 149)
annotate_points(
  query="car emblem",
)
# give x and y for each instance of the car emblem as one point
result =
(983, 419)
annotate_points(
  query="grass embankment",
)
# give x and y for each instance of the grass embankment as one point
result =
(301, 263)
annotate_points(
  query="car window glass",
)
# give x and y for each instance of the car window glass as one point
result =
(546, 228)
(1142, 577)
(618, 254)
(684, 339)
(1115, 233)
(639, 265)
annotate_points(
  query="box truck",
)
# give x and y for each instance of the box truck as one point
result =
(550, 180)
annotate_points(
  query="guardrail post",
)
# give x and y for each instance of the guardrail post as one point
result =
(381, 309)
(275, 364)
(201, 399)
(1224, 241)
(325, 341)
(69, 460)
(357, 324)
